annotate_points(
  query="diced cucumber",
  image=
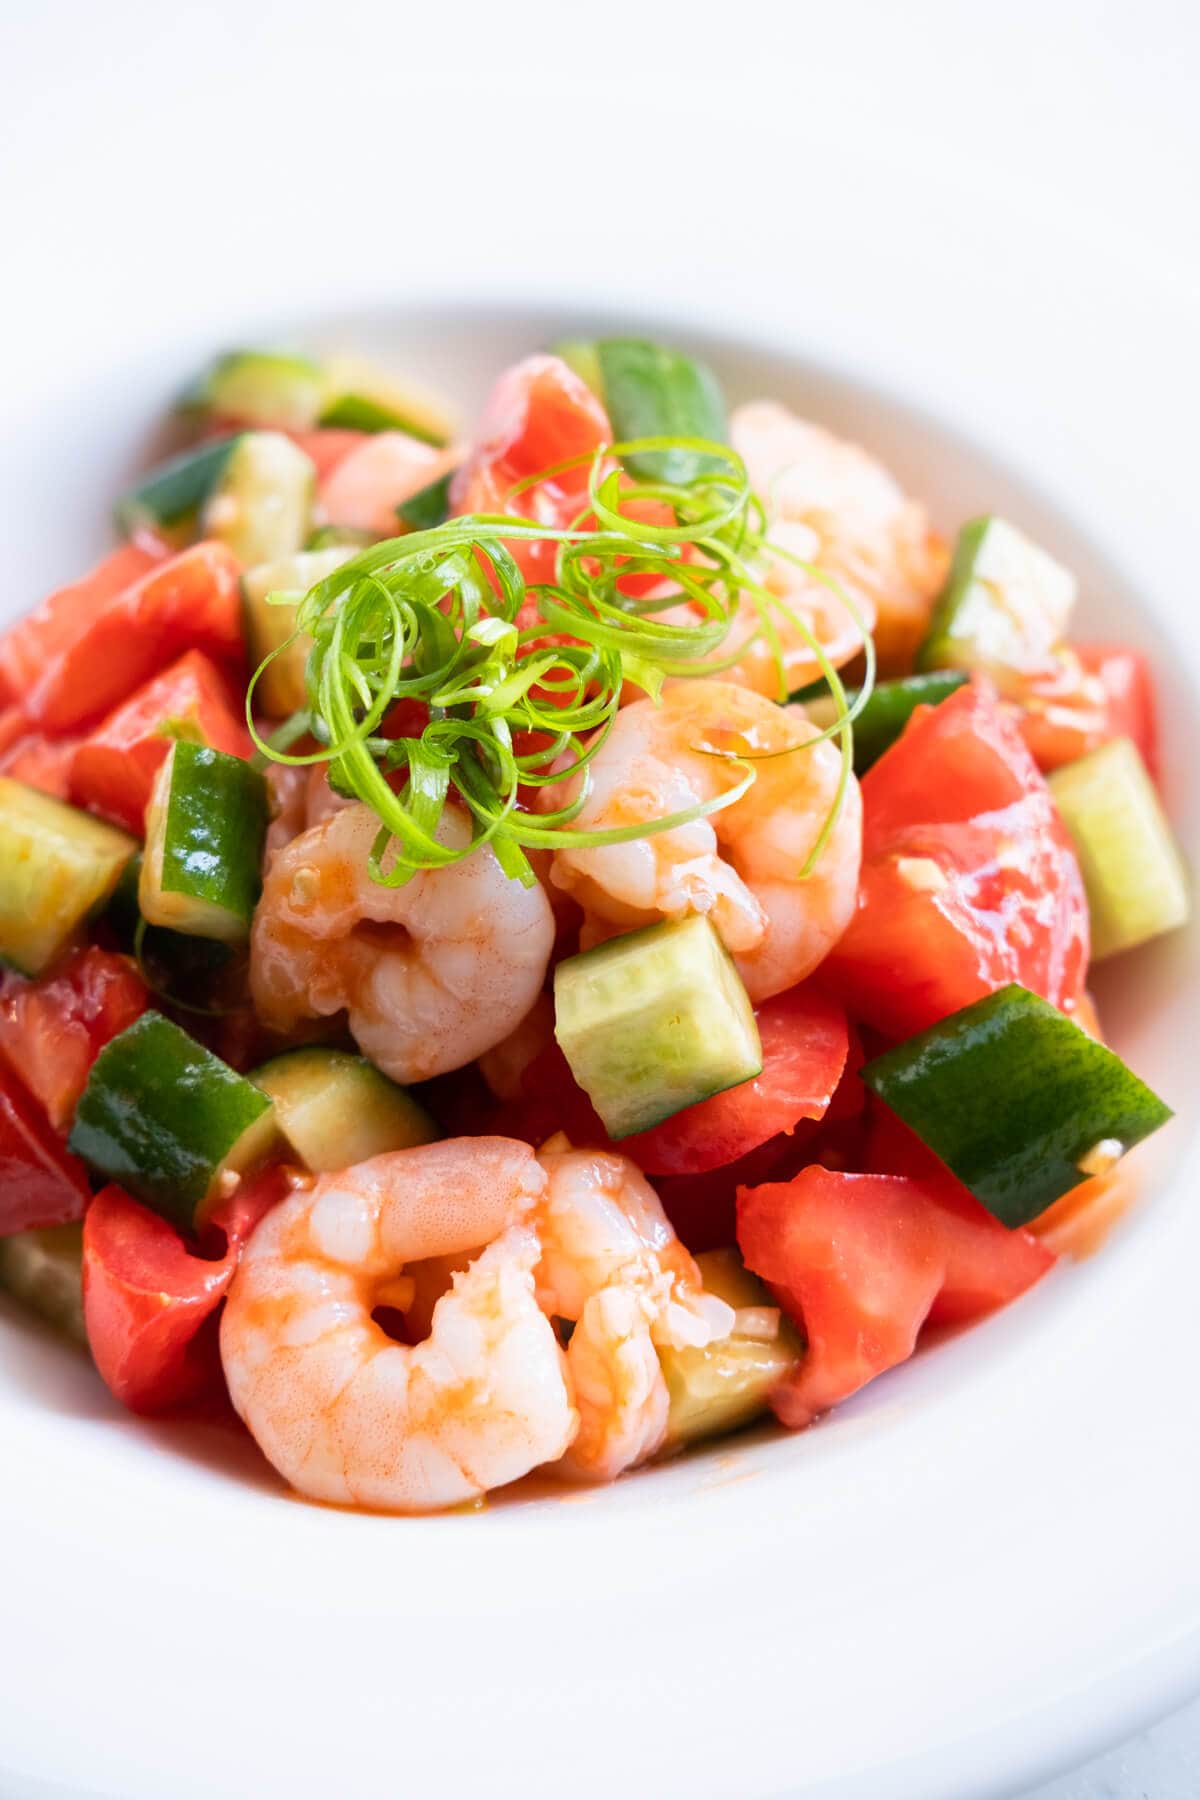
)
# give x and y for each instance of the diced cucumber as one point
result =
(1132, 869)
(170, 499)
(336, 1109)
(654, 1021)
(44, 1270)
(651, 391)
(261, 504)
(429, 506)
(270, 595)
(1004, 608)
(1017, 1100)
(360, 397)
(581, 355)
(728, 1383)
(261, 387)
(890, 706)
(171, 1122)
(204, 836)
(57, 865)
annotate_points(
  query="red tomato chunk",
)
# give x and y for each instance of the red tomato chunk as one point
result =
(40, 1184)
(146, 1296)
(862, 1262)
(969, 879)
(113, 769)
(53, 1029)
(88, 646)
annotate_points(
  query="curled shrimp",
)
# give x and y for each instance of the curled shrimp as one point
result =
(430, 974)
(741, 866)
(613, 1266)
(345, 1413)
(832, 505)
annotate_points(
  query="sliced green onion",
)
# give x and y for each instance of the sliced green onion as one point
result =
(523, 681)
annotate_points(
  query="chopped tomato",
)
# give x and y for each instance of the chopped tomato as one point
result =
(25, 648)
(540, 414)
(969, 879)
(90, 645)
(53, 1029)
(861, 1262)
(364, 488)
(804, 1044)
(1102, 691)
(146, 1295)
(973, 1283)
(40, 1184)
(41, 762)
(113, 769)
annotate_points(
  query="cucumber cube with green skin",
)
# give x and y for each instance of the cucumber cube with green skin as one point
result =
(651, 391)
(1017, 1100)
(170, 498)
(655, 1021)
(262, 387)
(170, 1122)
(44, 1271)
(336, 1109)
(725, 1384)
(57, 866)
(1130, 862)
(261, 504)
(359, 397)
(1004, 609)
(271, 594)
(204, 835)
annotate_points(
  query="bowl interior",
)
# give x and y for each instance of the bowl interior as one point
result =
(1147, 1001)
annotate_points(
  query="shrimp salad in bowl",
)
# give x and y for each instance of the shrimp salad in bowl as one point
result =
(533, 942)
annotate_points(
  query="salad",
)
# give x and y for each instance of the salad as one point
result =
(529, 946)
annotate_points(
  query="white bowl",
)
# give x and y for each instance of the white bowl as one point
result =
(982, 1566)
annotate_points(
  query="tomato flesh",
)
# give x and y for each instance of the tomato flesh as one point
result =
(862, 1262)
(53, 1029)
(90, 645)
(41, 762)
(40, 1183)
(113, 769)
(1104, 691)
(969, 879)
(540, 414)
(146, 1296)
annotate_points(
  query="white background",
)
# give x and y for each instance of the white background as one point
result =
(691, 157)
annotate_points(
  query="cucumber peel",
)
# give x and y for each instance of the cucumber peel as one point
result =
(650, 391)
(170, 1122)
(1017, 1100)
(204, 834)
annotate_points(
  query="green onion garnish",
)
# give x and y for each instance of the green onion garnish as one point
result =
(522, 682)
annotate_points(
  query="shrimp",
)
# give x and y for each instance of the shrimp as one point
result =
(430, 974)
(613, 1266)
(831, 504)
(298, 797)
(346, 1414)
(740, 866)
